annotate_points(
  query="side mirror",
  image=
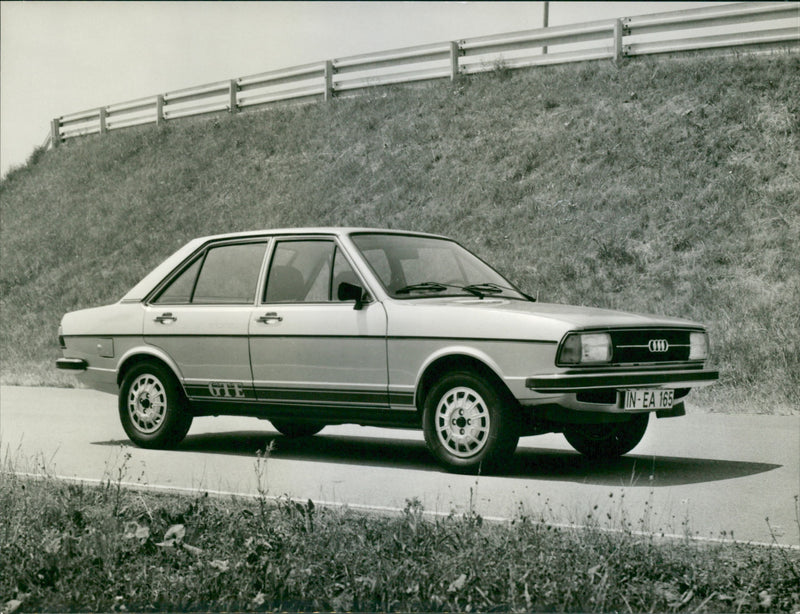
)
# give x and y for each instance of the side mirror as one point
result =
(351, 292)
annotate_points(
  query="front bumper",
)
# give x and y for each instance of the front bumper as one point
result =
(562, 383)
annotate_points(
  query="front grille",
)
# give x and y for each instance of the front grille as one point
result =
(647, 346)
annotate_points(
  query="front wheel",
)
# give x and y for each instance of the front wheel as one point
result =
(468, 424)
(609, 440)
(152, 408)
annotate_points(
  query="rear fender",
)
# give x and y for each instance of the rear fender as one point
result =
(139, 353)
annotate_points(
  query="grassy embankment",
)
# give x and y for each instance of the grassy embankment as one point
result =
(74, 547)
(665, 186)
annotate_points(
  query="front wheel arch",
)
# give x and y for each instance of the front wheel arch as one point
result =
(460, 362)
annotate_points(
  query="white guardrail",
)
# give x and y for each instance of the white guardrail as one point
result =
(748, 26)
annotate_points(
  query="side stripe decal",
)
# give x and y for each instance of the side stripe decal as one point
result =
(244, 392)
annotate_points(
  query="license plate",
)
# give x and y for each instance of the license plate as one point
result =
(643, 398)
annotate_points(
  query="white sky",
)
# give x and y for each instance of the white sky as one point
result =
(62, 57)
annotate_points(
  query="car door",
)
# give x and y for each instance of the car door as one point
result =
(311, 352)
(200, 318)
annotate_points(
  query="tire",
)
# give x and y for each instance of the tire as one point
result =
(468, 424)
(152, 407)
(609, 440)
(296, 429)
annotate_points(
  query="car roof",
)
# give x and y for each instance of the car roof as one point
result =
(149, 282)
(330, 230)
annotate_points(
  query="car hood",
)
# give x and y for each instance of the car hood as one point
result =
(498, 318)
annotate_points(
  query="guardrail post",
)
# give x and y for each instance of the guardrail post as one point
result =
(55, 132)
(232, 105)
(618, 30)
(328, 80)
(160, 119)
(455, 52)
(545, 22)
(103, 113)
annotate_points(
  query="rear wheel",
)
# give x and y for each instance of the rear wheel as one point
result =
(468, 424)
(296, 429)
(609, 440)
(152, 408)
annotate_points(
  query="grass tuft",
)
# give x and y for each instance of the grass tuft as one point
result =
(71, 546)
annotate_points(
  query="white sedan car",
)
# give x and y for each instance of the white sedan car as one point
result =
(317, 326)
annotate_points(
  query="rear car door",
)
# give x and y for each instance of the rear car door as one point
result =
(200, 318)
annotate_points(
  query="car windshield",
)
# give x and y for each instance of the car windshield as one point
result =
(414, 267)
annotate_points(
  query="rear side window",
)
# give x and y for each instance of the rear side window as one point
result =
(179, 292)
(228, 275)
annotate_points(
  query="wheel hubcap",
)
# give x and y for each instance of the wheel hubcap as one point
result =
(147, 403)
(462, 422)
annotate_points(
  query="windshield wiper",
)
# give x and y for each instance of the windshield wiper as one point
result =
(480, 290)
(427, 286)
(493, 288)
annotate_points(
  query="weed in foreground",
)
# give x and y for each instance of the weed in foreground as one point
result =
(262, 478)
(64, 548)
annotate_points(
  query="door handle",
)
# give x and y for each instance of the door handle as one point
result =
(270, 318)
(165, 318)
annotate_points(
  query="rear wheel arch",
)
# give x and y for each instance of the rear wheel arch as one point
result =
(134, 359)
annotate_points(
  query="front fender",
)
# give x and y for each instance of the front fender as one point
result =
(453, 353)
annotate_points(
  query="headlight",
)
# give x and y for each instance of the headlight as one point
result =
(698, 346)
(585, 348)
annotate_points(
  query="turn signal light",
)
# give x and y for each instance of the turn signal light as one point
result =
(698, 346)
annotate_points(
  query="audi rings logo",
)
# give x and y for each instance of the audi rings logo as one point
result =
(658, 345)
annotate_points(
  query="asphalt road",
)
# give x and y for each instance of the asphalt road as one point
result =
(709, 474)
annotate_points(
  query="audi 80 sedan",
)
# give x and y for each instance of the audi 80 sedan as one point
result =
(319, 326)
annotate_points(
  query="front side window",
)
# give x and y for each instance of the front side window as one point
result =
(306, 271)
(224, 275)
